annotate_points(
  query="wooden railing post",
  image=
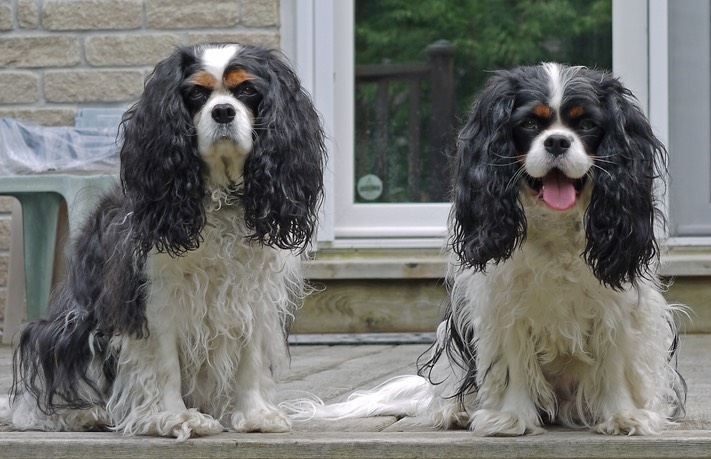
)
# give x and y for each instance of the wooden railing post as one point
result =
(382, 121)
(440, 57)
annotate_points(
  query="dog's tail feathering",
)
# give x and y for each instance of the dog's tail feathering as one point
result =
(400, 396)
(52, 362)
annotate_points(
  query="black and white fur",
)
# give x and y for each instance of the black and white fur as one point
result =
(183, 281)
(555, 315)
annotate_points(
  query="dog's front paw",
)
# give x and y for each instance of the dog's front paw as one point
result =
(264, 420)
(186, 424)
(450, 416)
(488, 423)
(632, 422)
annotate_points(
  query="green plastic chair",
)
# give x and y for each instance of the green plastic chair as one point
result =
(41, 197)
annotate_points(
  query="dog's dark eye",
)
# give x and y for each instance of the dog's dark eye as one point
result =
(198, 95)
(246, 89)
(247, 94)
(530, 125)
(586, 125)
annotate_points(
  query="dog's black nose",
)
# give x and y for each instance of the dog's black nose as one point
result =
(223, 113)
(556, 144)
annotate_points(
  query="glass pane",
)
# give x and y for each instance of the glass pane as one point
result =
(419, 65)
(690, 117)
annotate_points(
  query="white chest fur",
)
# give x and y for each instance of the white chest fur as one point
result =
(225, 301)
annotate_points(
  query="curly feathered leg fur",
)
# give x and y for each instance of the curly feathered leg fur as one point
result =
(255, 410)
(147, 398)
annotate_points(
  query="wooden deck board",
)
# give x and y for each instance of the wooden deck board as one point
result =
(366, 370)
(332, 372)
(450, 444)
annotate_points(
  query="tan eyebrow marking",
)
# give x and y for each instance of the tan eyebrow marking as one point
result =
(235, 78)
(543, 111)
(576, 112)
(204, 79)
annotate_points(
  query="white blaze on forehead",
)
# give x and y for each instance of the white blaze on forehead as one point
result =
(215, 60)
(556, 84)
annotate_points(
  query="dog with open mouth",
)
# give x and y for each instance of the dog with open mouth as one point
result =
(556, 314)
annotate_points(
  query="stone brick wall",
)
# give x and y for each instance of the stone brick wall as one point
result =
(58, 56)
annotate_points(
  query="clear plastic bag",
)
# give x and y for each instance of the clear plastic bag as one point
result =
(27, 148)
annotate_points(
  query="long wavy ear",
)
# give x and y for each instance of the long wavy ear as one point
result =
(487, 220)
(283, 178)
(620, 219)
(161, 171)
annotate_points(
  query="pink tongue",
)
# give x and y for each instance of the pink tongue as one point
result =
(558, 191)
